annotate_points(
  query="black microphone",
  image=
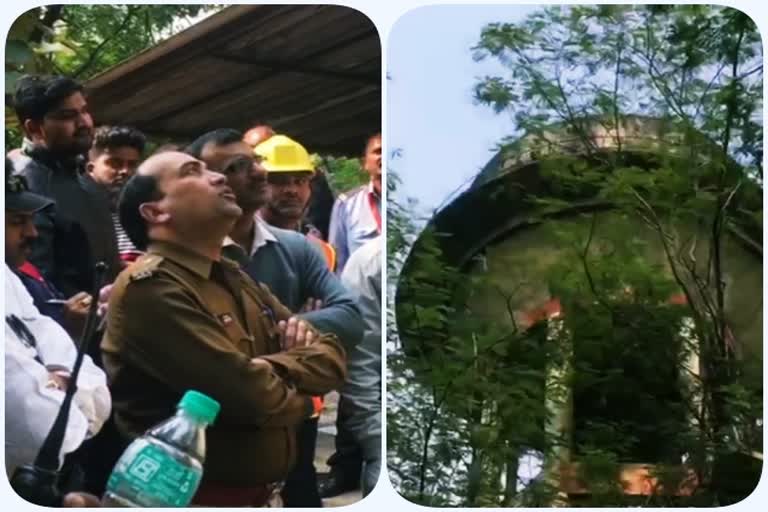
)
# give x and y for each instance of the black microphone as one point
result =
(38, 483)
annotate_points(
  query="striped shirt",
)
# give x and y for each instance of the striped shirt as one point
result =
(128, 252)
(355, 219)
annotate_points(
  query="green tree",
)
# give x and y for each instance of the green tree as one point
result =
(81, 41)
(344, 173)
(578, 77)
(698, 69)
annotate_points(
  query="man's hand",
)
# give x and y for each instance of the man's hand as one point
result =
(312, 304)
(78, 304)
(58, 379)
(75, 312)
(104, 299)
(81, 500)
(295, 333)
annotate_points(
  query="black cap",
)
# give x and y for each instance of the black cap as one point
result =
(18, 197)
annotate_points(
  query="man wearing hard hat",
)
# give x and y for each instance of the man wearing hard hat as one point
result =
(285, 261)
(289, 174)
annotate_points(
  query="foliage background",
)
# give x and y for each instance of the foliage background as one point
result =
(465, 400)
(82, 41)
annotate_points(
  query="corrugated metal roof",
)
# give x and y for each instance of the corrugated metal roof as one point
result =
(313, 72)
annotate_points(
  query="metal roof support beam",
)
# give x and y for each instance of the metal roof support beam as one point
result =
(296, 67)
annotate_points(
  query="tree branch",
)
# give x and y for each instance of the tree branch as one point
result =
(731, 104)
(427, 439)
(616, 79)
(132, 9)
(706, 90)
(52, 14)
(508, 302)
(583, 256)
(750, 72)
(670, 258)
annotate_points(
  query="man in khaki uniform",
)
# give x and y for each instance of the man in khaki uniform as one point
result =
(181, 317)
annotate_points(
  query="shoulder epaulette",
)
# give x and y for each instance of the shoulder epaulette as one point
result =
(145, 267)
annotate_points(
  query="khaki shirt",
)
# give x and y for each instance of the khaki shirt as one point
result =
(179, 321)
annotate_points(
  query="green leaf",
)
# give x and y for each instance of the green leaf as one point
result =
(17, 52)
(57, 47)
(11, 77)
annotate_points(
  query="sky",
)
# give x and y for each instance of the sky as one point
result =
(444, 137)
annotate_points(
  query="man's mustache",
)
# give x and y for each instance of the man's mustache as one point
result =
(288, 202)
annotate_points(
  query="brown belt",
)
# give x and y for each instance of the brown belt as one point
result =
(217, 495)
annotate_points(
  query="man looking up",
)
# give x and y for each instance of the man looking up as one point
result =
(292, 268)
(218, 330)
(283, 260)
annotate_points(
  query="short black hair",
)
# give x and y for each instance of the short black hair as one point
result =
(138, 190)
(113, 137)
(219, 137)
(38, 95)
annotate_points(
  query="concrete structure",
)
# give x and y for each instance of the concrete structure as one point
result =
(498, 232)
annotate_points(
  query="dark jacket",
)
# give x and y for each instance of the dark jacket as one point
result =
(75, 233)
(41, 291)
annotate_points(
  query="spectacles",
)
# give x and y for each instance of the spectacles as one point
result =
(240, 165)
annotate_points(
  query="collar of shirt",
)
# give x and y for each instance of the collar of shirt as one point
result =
(70, 164)
(191, 260)
(358, 211)
(261, 235)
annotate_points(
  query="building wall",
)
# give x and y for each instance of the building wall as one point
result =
(518, 268)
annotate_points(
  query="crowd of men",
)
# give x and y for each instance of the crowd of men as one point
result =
(218, 280)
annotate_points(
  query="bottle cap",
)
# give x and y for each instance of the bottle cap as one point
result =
(200, 406)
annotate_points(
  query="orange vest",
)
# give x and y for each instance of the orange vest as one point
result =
(329, 253)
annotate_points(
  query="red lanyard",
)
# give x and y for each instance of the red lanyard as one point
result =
(375, 210)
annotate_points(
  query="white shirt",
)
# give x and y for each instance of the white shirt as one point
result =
(353, 222)
(261, 235)
(362, 276)
(30, 406)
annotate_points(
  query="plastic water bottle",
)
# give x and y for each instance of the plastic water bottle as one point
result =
(163, 467)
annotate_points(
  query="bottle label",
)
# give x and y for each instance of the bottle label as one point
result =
(154, 478)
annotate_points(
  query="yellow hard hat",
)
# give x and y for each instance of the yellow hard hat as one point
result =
(283, 154)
